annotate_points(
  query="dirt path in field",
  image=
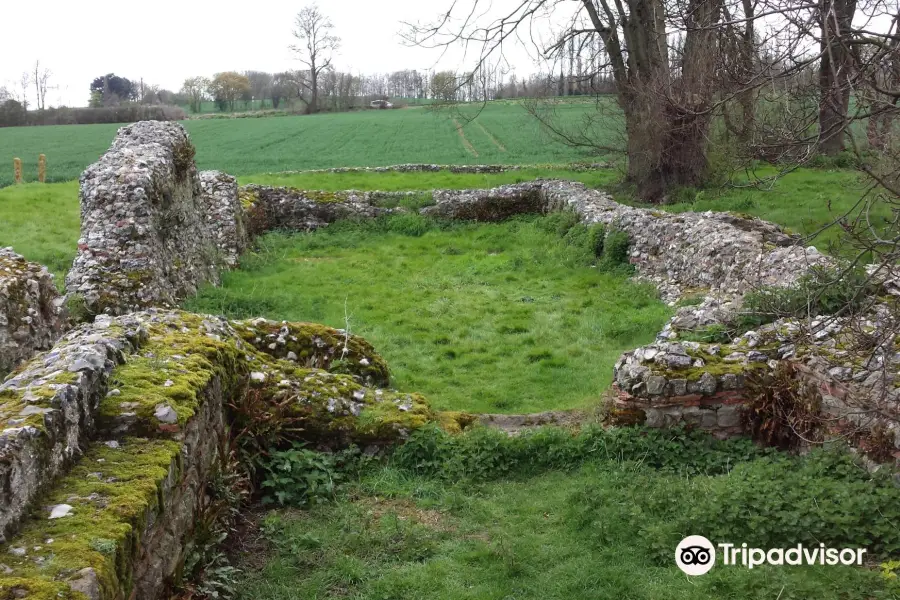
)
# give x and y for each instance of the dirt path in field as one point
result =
(465, 141)
(497, 143)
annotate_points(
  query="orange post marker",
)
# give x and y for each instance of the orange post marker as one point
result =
(42, 168)
(17, 169)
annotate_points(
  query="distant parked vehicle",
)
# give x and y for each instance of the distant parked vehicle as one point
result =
(380, 104)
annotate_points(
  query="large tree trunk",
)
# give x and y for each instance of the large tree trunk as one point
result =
(835, 68)
(667, 121)
(666, 148)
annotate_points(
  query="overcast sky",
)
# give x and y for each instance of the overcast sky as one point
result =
(165, 41)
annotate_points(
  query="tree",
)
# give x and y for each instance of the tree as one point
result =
(114, 89)
(227, 88)
(24, 83)
(260, 85)
(195, 89)
(664, 57)
(281, 88)
(41, 79)
(12, 113)
(316, 48)
(444, 86)
(835, 72)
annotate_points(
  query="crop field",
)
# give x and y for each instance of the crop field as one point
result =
(503, 132)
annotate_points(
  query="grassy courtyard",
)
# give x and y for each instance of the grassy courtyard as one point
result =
(510, 317)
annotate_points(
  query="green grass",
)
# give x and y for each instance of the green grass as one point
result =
(42, 222)
(365, 138)
(486, 318)
(804, 201)
(395, 536)
(425, 181)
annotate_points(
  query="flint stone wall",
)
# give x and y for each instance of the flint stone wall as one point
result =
(146, 239)
(720, 252)
(32, 314)
(224, 216)
(672, 383)
(273, 208)
(113, 434)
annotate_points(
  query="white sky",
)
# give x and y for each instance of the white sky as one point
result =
(165, 41)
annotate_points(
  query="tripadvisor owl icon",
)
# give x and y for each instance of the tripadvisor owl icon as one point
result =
(695, 555)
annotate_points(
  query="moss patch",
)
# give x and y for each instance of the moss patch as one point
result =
(112, 492)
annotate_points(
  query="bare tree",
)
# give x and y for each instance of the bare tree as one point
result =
(24, 83)
(665, 59)
(41, 80)
(835, 72)
(317, 46)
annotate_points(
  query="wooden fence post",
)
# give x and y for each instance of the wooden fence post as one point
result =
(42, 168)
(17, 169)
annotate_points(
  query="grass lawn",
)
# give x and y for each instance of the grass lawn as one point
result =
(486, 318)
(606, 529)
(42, 223)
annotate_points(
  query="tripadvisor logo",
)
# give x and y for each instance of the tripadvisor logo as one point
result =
(696, 555)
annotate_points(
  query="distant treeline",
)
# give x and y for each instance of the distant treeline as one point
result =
(13, 114)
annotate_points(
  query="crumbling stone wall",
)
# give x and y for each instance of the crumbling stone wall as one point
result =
(722, 256)
(32, 315)
(224, 215)
(272, 208)
(719, 252)
(107, 441)
(146, 239)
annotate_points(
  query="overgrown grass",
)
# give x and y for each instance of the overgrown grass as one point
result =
(506, 317)
(604, 526)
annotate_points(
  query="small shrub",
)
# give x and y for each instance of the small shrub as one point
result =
(783, 411)
(615, 251)
(76, 307)
(819, 292)
(104, 546)
(298, 477)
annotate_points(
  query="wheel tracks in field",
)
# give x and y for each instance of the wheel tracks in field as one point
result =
(465, 141)
(491, 137)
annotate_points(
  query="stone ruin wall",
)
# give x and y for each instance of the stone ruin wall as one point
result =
(32, 312)
(107, 441)
(153, 230)
(723, 256)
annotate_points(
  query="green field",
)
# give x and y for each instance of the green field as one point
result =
(502, 133)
